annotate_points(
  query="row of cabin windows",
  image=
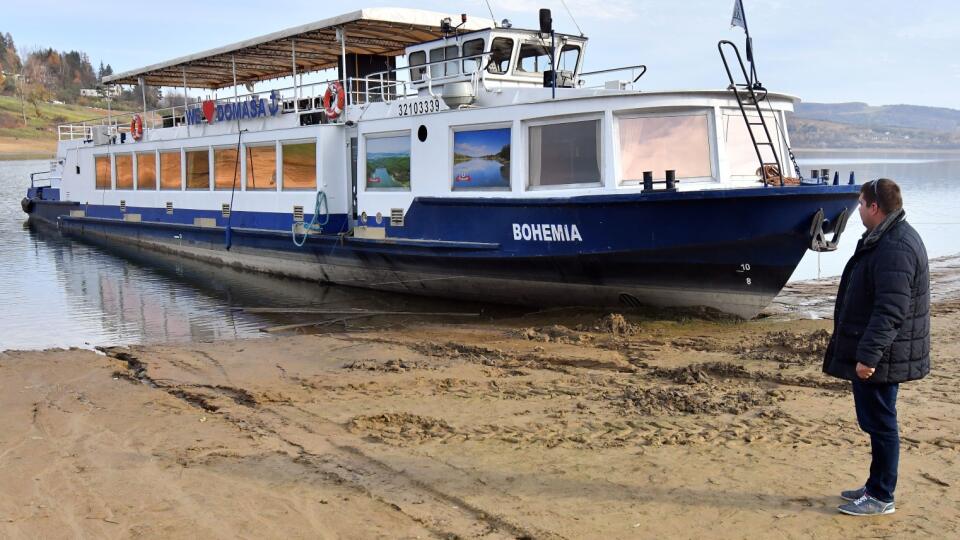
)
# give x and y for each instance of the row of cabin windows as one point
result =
(560, 154)
(192, 170)
(533, 58)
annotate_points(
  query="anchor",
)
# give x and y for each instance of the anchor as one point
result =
(818, 239)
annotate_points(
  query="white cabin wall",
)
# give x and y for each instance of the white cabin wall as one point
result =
(331, 156)
(518, 165)
(69, 152)
(722, 159)
(610, 156)
(432, 161)
(333, 176)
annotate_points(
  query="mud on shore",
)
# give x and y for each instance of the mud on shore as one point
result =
(552, 425)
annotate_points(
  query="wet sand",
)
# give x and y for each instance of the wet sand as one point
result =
(551, 425)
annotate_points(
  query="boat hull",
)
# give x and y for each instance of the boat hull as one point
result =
(730, 250)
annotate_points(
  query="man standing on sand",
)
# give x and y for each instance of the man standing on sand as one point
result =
(881, 334)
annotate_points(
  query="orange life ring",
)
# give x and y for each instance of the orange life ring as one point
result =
(136, 127)
(334, 108)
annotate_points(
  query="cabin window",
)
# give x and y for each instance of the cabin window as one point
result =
(124, 164)
(388, 162)
(446, 68)
(170, 178)
(418, 59)
(659, 143)
(501, 49)
(262, 167)
(569, 56)
(300, 165)
(226, 168)
(741, 155)
(198, 169)
(474, 47)
(563, 154)
(533, 58)
(146, 170)
(102, 169)
(481, 159)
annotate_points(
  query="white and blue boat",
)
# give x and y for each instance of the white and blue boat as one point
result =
(450, 156)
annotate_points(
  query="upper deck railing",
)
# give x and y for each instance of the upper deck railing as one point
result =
(291, 99)
(384, 86)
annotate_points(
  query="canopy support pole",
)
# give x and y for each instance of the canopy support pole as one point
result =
(236, 97)
(143, 94)
(110, 109)
(342, 34)
(296, 89)
(185, 120)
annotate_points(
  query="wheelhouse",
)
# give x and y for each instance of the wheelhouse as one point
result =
(505, 56)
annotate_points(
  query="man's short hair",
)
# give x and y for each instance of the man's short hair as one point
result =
(885, 192)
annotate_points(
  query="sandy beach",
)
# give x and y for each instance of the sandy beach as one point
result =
(550, 425)
(14, 149)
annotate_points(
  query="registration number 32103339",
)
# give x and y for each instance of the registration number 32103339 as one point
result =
(425, 106)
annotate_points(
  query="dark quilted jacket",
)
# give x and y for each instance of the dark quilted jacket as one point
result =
(882, 317)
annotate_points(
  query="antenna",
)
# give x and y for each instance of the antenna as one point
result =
(490, 9)
(572, 17)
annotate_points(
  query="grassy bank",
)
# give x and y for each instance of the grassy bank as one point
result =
(38, 138)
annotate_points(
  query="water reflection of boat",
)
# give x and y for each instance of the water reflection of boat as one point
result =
(577, 208)
(132, 295)
(136, 295)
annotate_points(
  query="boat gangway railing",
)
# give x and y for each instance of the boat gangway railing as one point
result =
(45, 178)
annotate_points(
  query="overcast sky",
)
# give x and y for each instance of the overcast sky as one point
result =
(878, 51)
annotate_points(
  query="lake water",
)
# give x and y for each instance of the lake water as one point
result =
(62, 293)
(481, 173)
(59, 292)
(929, 182)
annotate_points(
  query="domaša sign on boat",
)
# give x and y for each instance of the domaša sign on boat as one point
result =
(255, 107)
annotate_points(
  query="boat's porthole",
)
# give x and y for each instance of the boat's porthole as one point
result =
(422, 133)
(363, 218)
(379, 218)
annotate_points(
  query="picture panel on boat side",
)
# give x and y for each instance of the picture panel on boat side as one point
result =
(388, 162)
(481, 159)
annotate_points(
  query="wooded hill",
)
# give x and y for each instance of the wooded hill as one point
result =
(858, 125)
(47, 75)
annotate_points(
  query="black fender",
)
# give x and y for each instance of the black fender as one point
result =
(27, 205)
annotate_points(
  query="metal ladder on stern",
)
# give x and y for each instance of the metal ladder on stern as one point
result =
(747, 91)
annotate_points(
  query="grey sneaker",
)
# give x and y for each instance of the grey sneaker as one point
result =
(866, 506)
(853, 494)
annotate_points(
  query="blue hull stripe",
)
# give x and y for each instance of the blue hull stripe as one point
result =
(745, 241)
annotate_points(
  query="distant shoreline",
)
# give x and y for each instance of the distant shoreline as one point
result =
(13, 149)
(25, 157)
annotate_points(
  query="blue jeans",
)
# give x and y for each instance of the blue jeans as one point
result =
(876, 406)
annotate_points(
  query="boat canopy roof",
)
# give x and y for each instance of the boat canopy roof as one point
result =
(376, 31)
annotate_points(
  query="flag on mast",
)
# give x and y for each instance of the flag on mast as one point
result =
(739, 19)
